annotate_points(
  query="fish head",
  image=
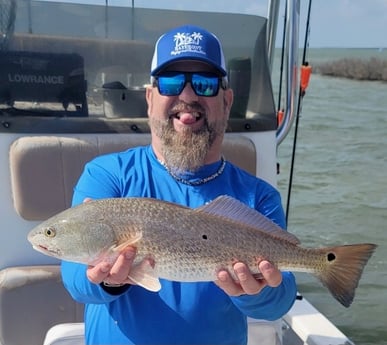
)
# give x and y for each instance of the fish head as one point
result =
(74, 238)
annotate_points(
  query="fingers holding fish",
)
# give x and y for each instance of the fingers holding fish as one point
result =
(96, 274)
(246, 283)
(227, 284)
(115, 273)
(270, 273)
(121, 268)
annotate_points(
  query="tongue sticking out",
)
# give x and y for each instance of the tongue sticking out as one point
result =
(188, 118)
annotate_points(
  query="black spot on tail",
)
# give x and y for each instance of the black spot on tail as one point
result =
(331, 257)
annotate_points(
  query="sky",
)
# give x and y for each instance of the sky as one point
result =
(334, 23)
(348, 23)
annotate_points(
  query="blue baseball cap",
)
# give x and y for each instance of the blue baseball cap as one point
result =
(188, 42)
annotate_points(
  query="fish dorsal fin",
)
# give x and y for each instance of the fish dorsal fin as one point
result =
(227, 207)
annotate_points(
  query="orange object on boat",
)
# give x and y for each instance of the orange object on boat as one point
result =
(280, 117)
(306, 71)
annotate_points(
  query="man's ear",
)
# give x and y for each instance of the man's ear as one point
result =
(228, 100)
(149, 98)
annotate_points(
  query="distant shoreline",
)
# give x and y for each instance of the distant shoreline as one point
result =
(372, 69)
(356, 48)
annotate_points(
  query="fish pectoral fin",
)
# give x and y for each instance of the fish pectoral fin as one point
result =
(145, 276)
(133, 240)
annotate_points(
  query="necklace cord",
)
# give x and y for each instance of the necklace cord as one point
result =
(200, 181)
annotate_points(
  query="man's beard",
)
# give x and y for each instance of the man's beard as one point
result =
(187, 150)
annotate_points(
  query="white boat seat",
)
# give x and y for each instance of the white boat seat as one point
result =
(66, 334)
(33, 299)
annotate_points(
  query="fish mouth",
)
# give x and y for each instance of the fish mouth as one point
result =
(45, 250)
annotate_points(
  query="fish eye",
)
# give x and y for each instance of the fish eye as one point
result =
(49, 232)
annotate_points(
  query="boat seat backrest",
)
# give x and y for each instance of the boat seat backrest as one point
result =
(44, 170)
(32, 300)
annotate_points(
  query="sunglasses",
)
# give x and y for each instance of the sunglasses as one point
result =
(203, 84)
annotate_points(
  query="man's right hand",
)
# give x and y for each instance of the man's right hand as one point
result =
(115, 273)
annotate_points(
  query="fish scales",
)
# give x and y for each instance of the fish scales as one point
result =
(177, 237)
(191, 245)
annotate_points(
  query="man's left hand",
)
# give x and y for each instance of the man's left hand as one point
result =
(246, 283)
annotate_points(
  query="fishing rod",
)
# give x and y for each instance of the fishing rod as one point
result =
(304, 80)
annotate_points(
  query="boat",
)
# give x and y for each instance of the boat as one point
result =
(72, 77)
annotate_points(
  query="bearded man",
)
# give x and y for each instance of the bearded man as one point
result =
(189, 103)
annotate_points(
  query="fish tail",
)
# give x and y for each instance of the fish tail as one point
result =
(343, 269)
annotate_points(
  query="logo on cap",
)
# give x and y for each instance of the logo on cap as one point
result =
(187, 43)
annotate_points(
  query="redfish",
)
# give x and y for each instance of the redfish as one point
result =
(192, 245)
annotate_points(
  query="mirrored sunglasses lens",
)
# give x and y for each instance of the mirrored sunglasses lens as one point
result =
(171, 85)
(205, 85)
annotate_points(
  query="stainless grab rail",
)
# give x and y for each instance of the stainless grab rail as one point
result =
(292, 73)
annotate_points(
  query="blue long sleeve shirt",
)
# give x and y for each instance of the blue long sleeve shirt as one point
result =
(180, 313)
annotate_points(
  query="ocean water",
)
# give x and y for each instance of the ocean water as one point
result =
(339, 193)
